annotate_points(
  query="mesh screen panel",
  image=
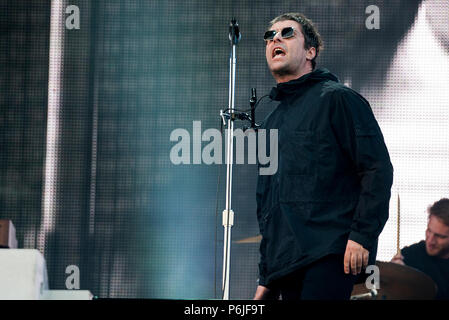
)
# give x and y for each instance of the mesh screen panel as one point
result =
(139, 226)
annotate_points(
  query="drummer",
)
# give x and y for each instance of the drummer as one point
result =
(431, 256)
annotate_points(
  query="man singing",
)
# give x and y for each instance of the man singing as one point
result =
(321, 214)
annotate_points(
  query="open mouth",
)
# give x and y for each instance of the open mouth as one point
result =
(278, 51)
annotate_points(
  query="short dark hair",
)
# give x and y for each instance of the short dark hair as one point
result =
(312, 38)
(440, 209)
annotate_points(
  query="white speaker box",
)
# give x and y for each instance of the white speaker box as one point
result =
(23, 274)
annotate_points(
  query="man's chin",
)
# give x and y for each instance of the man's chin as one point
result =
(432, 251)
(279, 71)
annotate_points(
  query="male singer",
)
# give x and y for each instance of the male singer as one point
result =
(321, 214)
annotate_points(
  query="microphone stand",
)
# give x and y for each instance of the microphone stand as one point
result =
(228, 214)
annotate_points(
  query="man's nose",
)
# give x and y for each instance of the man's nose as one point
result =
(277, 37)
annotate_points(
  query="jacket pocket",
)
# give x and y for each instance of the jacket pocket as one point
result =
(298, 153)
(297, 187)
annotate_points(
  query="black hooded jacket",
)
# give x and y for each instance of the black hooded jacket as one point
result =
(333, 180)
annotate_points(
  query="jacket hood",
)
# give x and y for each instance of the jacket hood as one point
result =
(284, 89)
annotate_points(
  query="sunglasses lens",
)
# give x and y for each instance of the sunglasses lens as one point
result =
(269, 35)
(287, 32)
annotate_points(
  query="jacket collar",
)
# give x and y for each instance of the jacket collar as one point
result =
(285, 89)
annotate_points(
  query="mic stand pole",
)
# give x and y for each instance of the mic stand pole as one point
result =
(228, 214)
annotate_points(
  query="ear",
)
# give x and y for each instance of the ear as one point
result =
(311, 52)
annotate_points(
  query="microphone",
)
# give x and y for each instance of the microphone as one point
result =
(234, 32)
(252, 103)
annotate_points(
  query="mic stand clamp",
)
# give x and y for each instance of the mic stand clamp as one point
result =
(226, 114)
(236, 115)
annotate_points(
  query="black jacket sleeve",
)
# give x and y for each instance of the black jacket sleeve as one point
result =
(262, 268)
(361, 140)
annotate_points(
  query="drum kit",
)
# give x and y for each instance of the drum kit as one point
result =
(396, 282)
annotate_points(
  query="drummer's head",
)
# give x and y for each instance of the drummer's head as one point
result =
(437, 233)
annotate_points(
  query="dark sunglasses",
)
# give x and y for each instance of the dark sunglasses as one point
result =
(286, 33)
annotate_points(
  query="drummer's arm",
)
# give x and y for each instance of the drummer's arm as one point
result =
(398, 259)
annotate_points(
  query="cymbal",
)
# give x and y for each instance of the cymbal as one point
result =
(255, 239)
(398, 282)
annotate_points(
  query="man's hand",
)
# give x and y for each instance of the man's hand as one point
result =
(356, 256)
(398, 259)
(262, 293)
